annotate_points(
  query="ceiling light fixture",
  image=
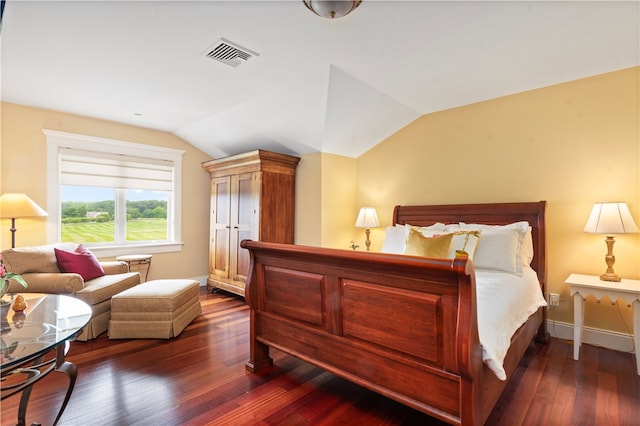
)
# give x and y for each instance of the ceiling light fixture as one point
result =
(332, 9)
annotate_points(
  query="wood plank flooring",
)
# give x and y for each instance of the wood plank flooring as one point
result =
(199, 379)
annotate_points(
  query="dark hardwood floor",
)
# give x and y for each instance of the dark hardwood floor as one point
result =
(199, 379)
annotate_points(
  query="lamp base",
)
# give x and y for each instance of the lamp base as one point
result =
(367, 242)
(608, 276)
(610, 259)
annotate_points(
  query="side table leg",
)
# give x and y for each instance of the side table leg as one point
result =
(578, 318)
(636, 333)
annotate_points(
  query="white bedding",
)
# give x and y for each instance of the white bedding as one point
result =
(505, 301)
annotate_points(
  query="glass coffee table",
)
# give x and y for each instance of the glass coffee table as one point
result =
(35, 342)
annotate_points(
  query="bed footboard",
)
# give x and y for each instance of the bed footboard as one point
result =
(402, 326)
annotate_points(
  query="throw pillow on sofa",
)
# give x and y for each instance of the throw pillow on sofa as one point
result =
(80, 261)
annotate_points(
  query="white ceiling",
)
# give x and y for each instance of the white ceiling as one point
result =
(338, 86)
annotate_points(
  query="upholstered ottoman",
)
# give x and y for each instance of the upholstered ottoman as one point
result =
(158, 309)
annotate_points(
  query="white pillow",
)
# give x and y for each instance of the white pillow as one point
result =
(498, 251)
(527, 248)
(502, 247)
(452, 227)
(394, 240)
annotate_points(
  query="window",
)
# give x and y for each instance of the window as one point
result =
(113, 196)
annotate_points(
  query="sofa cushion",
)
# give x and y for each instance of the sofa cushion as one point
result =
(106, 286)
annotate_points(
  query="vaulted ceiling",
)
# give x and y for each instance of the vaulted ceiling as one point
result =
(339, 86)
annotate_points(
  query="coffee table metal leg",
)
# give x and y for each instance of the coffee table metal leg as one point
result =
(62, 366)
(24, 398)
(72, 371)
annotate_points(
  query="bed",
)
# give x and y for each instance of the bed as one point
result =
(403, 326)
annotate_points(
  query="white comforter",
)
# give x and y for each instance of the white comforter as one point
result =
(505, 301)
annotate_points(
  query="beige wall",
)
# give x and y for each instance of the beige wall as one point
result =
(326, 201)
(308, 216)
(338, 194)
(571, 144)
(23, 162)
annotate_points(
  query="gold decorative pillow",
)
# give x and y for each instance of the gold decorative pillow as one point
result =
(419, 245)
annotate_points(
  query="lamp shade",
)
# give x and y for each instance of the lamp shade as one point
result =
(367, 218)
(19, 205)
(332, 9)
(610, 218)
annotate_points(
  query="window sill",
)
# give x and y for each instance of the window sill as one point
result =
(113, 251)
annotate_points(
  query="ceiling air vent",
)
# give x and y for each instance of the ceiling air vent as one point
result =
(229, 53)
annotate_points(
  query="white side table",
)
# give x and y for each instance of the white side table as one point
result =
(585, 285)
(138, 263)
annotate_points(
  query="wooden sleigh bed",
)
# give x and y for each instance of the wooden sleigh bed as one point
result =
(403, 326)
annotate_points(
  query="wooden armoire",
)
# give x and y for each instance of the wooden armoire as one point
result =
(252, 197)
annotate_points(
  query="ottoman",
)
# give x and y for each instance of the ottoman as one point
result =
(158, 309)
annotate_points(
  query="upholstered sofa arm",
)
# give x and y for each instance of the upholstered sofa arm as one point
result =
(48, 282)
(114, 267)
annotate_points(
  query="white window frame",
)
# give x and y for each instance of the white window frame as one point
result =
(57, 140)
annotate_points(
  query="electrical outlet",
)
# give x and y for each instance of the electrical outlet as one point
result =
(554, 299)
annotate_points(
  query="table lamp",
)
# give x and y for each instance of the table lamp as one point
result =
(609, 219)
(367, 218)
(15, 206)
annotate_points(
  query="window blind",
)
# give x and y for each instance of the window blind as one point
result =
(90, 168)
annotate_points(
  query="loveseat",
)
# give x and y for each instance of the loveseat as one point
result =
(38, 266)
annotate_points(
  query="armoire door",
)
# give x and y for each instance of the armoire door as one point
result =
(220, 226)
(244, 220)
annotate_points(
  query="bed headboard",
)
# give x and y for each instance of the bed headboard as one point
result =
(491, 214)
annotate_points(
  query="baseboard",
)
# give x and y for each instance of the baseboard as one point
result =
(594, 336)
(202, 280)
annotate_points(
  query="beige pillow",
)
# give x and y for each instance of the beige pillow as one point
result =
(419, 245)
